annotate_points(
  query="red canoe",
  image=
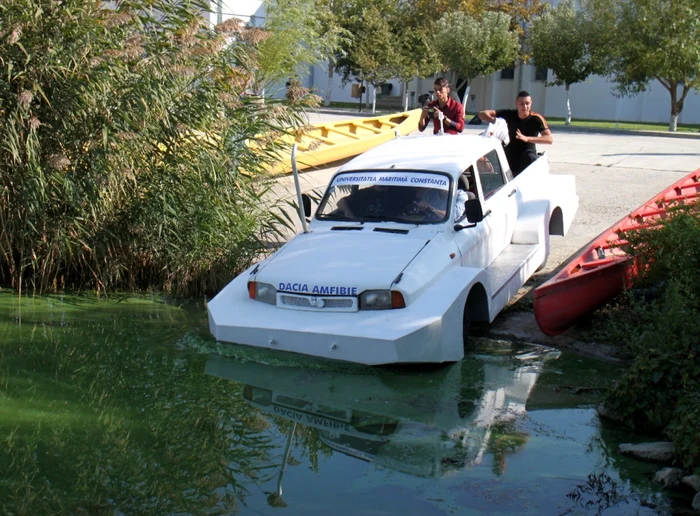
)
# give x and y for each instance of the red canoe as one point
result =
(602, 270)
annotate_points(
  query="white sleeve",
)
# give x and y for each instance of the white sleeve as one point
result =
(460, 199)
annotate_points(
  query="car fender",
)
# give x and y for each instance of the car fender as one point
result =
(448, 295)
(536, 183)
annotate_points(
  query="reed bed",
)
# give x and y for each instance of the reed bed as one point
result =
(125, 156)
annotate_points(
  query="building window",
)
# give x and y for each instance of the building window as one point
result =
(541, 73)
(508, 72)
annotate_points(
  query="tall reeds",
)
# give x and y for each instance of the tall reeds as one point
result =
(125, 156)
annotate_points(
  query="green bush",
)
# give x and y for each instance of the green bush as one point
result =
(659, 392)
(126, 159)
(670, 250)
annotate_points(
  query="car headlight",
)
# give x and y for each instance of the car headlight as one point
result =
(262, 292)
(381, 300)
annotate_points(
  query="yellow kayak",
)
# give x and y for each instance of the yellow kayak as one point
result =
(333, 141)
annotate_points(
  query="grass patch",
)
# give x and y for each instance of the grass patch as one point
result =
(560, 122)
(367, 107)
(629, 126)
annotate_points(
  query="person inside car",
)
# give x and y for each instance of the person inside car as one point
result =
(375, 201)
(433, 202)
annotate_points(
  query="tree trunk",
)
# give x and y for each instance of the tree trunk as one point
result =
(673, 122)
(362, 95)
(465, 99)
(374, 99)
(405, 96)
(568, 105)
(453, 78)
(329, 89)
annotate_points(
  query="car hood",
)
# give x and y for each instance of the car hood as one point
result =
(341, 263)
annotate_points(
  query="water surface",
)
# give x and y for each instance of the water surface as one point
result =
(127, 405)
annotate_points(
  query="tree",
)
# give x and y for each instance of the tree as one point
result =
(414, 54)
(470, 47)
(653, 40)
(298, 33)
(566, 41)
(520, 11)
(373, 52)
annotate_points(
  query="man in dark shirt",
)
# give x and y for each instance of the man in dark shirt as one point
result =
(525, 128)
(453, 120)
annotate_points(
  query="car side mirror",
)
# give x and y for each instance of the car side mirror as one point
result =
(306, 202)
(473, 213)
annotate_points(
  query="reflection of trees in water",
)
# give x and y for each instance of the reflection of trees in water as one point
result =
(99, 414)
(471, 387)
(505, 439)
(599, 493)
(306, 442)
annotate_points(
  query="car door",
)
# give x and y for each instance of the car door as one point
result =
(472, 241)
(499, 201)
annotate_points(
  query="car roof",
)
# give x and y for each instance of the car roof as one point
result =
(447, 153)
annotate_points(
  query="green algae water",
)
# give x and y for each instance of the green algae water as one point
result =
(128, 406)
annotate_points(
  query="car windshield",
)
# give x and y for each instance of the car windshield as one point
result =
(395, 196)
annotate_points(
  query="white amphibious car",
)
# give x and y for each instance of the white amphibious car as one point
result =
(411, 242)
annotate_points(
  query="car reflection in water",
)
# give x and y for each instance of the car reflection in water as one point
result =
(421, 422)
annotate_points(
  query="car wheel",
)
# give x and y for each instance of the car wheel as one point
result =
(466, 327)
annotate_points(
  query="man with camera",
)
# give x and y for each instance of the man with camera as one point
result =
(452, 110)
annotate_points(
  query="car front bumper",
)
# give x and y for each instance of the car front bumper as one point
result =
(428, 330)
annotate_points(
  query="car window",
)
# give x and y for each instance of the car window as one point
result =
(490, 173)
(398, 196)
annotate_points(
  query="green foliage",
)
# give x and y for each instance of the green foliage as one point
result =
(683, 429)
(126, 159)
(299, 33)
(652, 40)
(374, 52)
(659, 391)
(564, 40)
(386, 39)
(414, 55)
(472, 47)
(671, 250)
